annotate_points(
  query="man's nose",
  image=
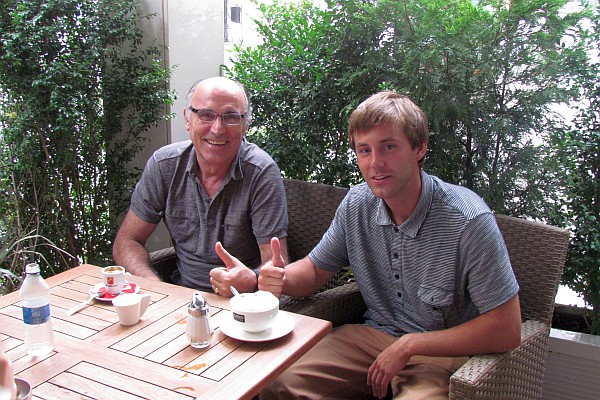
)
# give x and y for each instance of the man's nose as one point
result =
(217, 125)
(377, 159)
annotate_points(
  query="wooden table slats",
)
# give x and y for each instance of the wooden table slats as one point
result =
(97, 358)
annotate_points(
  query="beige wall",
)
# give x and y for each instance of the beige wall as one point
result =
(195, 42)
(191, 31)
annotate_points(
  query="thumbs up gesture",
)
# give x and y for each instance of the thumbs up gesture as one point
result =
(235, 273)
(272, 274)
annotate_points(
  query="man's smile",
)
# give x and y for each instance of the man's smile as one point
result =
(216, 142)
(380, 177)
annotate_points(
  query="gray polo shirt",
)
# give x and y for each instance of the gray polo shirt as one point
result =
(249, 209)
(443, 266)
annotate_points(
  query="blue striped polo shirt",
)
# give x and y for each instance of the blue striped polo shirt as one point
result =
(445, 265)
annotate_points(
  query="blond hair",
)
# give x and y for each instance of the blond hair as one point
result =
(391, 109)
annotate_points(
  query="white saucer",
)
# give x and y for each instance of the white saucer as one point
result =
(283, 324)
(130, 287)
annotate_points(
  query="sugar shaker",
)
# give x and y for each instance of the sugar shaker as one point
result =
(199, 330)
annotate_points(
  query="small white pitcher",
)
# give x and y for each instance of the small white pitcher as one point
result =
(131, 307)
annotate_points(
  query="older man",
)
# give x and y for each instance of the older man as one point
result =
(215, 189)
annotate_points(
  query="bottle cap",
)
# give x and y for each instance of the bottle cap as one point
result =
(198, 306)
(32, 268)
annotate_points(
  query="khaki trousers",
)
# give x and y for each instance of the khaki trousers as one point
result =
(336, 368)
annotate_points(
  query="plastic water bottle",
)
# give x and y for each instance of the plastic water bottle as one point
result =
(35, 301)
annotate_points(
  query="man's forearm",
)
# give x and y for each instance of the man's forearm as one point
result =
(303, 278)
(496, 331)
(135, 258)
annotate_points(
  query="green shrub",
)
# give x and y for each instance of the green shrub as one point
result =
(78, 90)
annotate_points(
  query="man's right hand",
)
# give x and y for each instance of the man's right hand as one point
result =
(235, 273)
(272, 274)
(129, 250)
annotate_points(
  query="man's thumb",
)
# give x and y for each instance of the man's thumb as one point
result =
(224, 255)
(276, 253)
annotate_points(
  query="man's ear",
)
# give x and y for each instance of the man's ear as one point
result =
(421, 151)
(186, 121)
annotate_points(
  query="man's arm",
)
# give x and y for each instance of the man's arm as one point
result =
(128, 248)
(496, 331)
(266, 253)
(300, 278)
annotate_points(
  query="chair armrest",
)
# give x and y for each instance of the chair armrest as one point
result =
(341, 305)
(516, 374)
(164, 262)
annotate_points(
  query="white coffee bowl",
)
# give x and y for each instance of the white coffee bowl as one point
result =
(24, 389)
(254, 312)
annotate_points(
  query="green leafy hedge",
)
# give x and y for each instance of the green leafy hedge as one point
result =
(79, 87)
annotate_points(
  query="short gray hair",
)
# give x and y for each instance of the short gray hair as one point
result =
(248, 112)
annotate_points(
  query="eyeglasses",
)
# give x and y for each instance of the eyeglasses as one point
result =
(229, 118)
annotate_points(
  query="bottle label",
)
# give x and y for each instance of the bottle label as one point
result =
(37, 315)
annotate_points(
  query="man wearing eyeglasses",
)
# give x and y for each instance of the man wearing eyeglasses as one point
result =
(214, 190)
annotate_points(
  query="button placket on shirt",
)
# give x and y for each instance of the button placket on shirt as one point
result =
(203, 206)
(396, 260)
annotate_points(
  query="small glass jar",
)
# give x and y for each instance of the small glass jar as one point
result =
(199, 329)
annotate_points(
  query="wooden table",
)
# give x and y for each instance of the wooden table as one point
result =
(95, 357)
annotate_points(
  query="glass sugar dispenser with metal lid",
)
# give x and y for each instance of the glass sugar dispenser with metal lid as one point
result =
(199, 330)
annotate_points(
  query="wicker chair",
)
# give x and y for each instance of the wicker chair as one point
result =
(537, 253)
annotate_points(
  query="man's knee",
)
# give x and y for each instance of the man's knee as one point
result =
(281, 388)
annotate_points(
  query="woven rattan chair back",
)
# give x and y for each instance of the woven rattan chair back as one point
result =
(311, 207)
(537, 253)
